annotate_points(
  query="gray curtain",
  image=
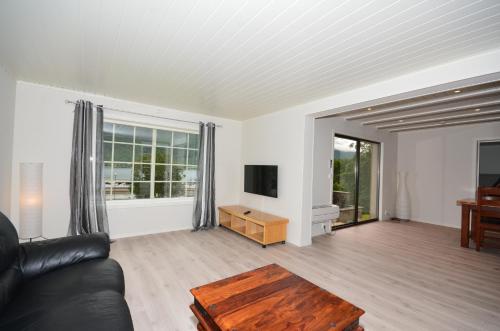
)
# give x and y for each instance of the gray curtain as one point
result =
(100, 197)
(209, 193)
(87, 201)
(198, 202)
(204, 207)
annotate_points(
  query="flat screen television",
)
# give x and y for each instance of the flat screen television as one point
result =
(262, 180)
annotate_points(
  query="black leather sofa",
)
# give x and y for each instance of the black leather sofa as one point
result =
(60, 284)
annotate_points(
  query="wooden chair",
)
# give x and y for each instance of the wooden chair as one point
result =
(487, 213)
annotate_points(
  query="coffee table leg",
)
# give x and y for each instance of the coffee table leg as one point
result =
(354, 326)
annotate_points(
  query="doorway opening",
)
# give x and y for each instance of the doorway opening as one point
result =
(356, 179)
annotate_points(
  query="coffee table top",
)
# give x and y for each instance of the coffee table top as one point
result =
(273, 298)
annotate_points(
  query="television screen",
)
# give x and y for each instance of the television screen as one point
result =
(262, 179)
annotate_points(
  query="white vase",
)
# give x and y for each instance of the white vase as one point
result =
(402, 198)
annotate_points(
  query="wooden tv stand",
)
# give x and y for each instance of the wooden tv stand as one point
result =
(259, 226)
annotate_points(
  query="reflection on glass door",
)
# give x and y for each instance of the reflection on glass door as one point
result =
(355, 180)
(344, 179)
(368, 181)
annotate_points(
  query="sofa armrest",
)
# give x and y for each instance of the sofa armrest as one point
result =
(39, 257)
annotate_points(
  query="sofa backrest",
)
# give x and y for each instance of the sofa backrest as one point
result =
(10, 274)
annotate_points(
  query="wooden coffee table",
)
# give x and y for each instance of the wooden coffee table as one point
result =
(271, 298)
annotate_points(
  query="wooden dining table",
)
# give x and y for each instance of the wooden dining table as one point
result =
(468, 207)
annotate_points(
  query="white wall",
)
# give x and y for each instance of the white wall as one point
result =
(324, 129)
(43, 133)
(271, 140)
(286, 137)
(441, 165)
(7, 106)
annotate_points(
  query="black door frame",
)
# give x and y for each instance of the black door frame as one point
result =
(356, 174)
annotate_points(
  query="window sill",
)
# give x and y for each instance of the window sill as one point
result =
(149, 203)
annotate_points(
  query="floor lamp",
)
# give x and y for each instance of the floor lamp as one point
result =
(30, 200)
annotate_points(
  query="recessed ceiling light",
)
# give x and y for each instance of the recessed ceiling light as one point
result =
(457, 91)
(477, 109)
(369, 108)
(400, 121)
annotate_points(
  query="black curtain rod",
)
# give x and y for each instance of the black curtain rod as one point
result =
(146, 115)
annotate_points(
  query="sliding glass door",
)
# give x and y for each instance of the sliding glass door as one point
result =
(344, 179)
(355, 180)
(368, 180)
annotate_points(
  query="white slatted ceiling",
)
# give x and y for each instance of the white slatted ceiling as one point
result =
(231, 58)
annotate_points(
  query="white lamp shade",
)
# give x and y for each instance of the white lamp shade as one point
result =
(30, 200)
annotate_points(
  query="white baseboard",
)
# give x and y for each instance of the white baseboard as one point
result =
(139, 234)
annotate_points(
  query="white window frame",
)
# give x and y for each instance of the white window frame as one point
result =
(152, 200)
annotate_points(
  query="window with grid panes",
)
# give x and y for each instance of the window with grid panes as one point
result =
(145, 163)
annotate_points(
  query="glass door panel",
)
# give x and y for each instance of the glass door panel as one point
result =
(344, 179)
(368, 181)
(355, 180)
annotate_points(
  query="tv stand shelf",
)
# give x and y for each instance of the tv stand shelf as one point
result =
(258, 226)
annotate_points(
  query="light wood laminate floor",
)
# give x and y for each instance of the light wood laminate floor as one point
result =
(406, 276)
